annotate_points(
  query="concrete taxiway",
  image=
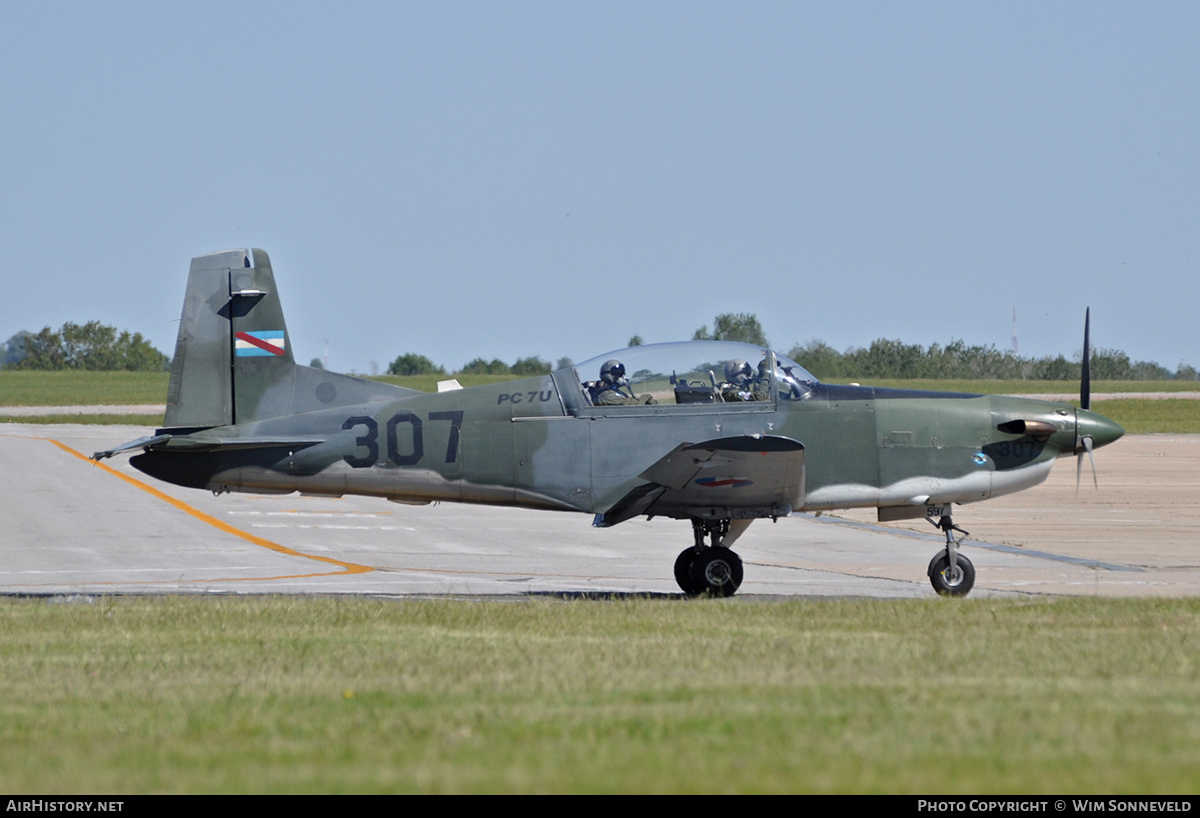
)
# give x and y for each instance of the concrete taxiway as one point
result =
(70, 526)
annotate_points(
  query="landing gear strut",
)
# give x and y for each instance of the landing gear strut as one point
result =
(951, 573)
(708, 569)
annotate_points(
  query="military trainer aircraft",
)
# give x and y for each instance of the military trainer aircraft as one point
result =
(683, 430)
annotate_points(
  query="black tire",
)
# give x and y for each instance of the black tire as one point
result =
(717, 571)
(943, 584)
(683, 570)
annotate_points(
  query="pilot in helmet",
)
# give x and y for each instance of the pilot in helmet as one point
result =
(607, 392)
(737, 381)
(737, 372)
(760, 388)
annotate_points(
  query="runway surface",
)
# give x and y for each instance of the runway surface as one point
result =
(70, 526)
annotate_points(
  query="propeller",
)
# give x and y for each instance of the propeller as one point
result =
(1085, 443)
(1085, 383)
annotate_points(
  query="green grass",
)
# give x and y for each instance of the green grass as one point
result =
(19, 388)
(995, 387)
(81, 388)
(273, 694)
(88, 388)
(89, 420)
(1141, 416)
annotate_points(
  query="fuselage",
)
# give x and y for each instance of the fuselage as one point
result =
(535, 443)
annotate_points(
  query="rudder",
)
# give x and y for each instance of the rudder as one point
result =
(233, 360)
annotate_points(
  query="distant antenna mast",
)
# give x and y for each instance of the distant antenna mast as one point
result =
(325, 358)
(1014, 337)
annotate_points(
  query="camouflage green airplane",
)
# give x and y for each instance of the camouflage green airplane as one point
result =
(693, 433)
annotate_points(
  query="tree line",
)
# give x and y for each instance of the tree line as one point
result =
(91, 346)
(894, 359)
(886, 358)
(96, 346)
(413, 364)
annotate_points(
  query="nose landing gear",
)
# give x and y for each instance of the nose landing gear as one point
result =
(950, 573)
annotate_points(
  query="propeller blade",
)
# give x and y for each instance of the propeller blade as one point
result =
(1085, 382)
(1085, 402)
(1087, 447)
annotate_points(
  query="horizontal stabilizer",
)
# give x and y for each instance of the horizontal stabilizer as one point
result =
(193, 443)
(229, 444)
(142, 443)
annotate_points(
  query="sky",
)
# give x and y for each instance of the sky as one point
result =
(506, 179)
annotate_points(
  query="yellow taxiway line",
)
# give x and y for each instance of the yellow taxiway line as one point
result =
(350, 568)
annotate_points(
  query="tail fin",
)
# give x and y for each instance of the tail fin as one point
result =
(232, 345)
(233, 358)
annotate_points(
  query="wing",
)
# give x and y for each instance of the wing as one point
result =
(729, 477)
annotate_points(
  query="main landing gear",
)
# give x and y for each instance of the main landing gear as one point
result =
(708, 569)
(715, 570)
(950, 572)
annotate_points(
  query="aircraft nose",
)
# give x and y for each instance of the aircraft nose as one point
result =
(1100, 429)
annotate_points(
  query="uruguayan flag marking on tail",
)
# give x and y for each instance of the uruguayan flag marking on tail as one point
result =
(262, 342)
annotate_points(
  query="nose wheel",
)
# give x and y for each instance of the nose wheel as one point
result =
(949, 582)
(950, 573)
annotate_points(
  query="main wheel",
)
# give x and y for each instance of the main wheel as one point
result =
(948, 583)
(717, 571)
(683, 570)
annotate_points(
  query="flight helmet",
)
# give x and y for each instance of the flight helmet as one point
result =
(613, 371)
(737, 371)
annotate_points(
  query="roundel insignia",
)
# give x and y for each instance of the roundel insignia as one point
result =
(980, 458)
(719, 482)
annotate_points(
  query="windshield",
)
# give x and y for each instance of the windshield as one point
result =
(695, 372)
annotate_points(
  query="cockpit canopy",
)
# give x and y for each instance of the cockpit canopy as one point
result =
(702, 372)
